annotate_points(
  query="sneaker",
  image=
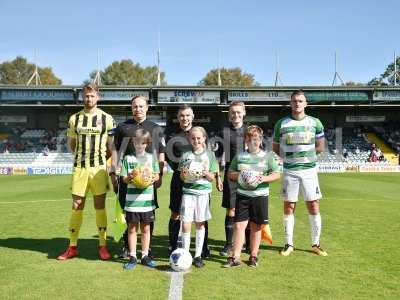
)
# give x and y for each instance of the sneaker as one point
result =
(124, 253)
(286, 250)
(103, 253)
(198, 262)
(253, 261)
(318, 250)
(225, 251)
(232, 262)
(148, 261)
(206, 253)
(131, 263)
(69, 253)
(151, 255)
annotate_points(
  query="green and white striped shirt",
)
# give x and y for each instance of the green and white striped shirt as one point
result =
(263, 162)
(209, 162)
(297, 141)
(139, 200)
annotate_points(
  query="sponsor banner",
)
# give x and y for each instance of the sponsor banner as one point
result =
(265, 96)
(185, 96)
(13, 119)
(6, 170)
(117, 95)
(196, 120)
(19, 171)
(364, 119)
(336, 96)
(386, 96)
(259, 119)
(335, 168)
(48, 170)
(37, 95)
(378, 168)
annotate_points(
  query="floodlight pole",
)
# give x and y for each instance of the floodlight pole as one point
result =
(219, 68)
(395, 68)
(277, 74)
(97, 78)
(337, 75)
(35, 72)
(158, 61)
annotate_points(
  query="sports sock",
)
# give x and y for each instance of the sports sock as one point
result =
(288, 226)
(316, 225)
(145, 253)
(205, 243)
(247, 236)
(186, 240)
(75, 223)
(199, 241)
(101, 222)
(229, 230)
(173, 230)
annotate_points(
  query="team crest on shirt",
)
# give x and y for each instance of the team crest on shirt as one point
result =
(98, 123)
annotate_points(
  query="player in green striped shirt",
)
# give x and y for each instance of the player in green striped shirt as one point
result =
(298, 139)
(198, 168)
(252, 193)
(139, 204)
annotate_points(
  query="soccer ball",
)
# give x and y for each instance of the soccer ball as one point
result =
(192, 171)
(249, 179)
(142, 177)
(180, 260)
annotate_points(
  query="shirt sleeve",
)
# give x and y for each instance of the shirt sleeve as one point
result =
(125, 168)
(277, 132)
(272, 164)
(71, 132)
(110, 126)
(319, 129)
(234, 164)
(213, 162)
(183, 158)
(156, 166)
(159, 139)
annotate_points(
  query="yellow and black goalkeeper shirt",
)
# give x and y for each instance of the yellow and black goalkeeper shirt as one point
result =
(91, 131)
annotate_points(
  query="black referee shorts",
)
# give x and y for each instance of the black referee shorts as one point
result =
(175, 193)
(229, 193)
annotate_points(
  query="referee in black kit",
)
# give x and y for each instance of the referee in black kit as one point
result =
(177, 144)
(123, 133)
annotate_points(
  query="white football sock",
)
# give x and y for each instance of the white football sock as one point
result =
(186, 240)
(316, 225)
(199, 241)
(288, 226)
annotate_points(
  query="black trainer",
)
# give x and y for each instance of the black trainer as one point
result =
(232, 262)
(206, 253)
(253, 261)
(198, 262)
(226, 250)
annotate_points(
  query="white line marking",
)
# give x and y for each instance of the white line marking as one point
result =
(175, 286)
(33, 201)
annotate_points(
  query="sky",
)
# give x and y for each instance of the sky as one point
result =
(247, 34)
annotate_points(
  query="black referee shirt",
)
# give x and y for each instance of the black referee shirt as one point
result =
(126, 130)
(177, 143)
(233, 142)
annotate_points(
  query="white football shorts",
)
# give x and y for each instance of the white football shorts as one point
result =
(306, 180)
(195, 208)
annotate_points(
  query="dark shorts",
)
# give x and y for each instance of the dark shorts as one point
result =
(175, 193)
(229, 193)
(139, 217)
(254, 209)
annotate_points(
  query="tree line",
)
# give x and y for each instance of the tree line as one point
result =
(127, 72)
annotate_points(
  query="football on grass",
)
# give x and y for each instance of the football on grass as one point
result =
(180, 260)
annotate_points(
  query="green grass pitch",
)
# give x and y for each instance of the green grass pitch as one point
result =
(360, 215)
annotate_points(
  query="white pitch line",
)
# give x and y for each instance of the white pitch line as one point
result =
(33, 201)
(175, 286)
